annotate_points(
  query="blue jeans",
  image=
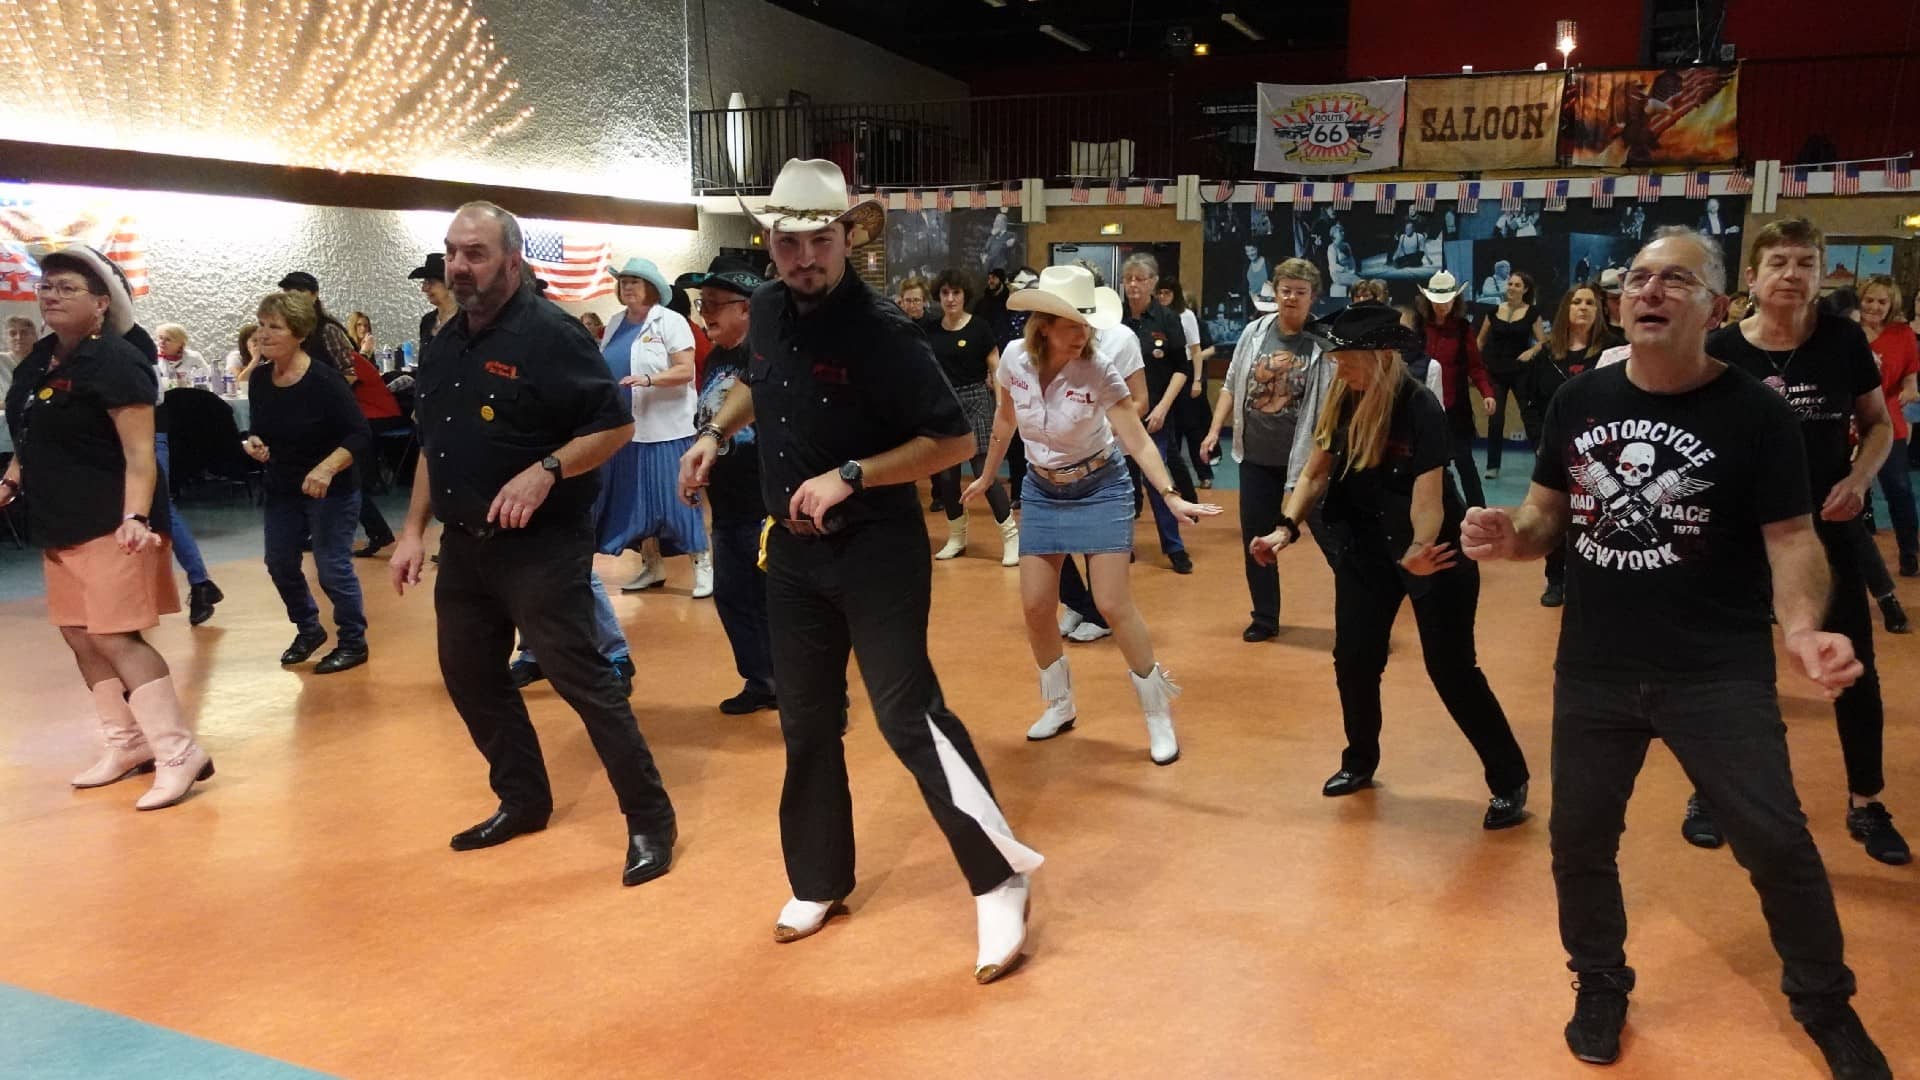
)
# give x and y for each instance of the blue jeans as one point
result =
(608, 638)
(1896, 485)
(185, 550)
(331, 522)
(1163, 519)
(740, 597)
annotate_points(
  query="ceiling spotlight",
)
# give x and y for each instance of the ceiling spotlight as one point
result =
(1201, 48)
(1466, 69)
(1064, 38)
(1240, 24)
(1563, 31)
(1541, 66)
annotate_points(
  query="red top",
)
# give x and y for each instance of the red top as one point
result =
(702, 345)
(376, 401)
(1898, 354)
(1448, 342)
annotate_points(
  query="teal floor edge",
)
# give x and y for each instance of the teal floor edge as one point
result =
(50, 1039)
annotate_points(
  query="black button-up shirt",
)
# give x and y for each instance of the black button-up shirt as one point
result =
(852, 379)
(492, 404)
(1163, 347)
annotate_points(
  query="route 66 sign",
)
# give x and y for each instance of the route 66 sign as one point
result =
(1335, 129)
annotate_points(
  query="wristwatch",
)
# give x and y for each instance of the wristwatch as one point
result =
(1293, 530)
(552, 465)
(141, 518)
(854, 475)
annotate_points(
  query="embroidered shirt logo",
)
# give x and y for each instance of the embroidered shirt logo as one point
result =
(505, 371)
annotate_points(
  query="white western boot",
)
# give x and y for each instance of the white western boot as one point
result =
(703, 575)
(804, 918)
(127, 751)
(1156, 692)
(178, 761)
(1002, 915)
(956, 539)
(1009, 542)
(1056, 686)
(651, 575)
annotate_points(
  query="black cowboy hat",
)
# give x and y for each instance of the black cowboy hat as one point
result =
(1366, 327)
(723, 273)
(302, 281)
(434, 269)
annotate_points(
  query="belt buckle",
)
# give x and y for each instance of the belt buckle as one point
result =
(482, 532)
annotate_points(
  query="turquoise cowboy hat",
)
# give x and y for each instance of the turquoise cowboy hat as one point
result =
(646, 271)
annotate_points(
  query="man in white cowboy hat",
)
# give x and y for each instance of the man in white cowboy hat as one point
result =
(1464, 383)
(850, 410)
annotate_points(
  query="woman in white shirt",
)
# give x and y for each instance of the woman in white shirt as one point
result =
(1069, 408)
(179, 365)
(650, 350)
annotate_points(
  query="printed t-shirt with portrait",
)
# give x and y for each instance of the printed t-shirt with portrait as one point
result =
(962, 353)
(662, 414)
(1275, 387)
(1063, 422)
(1820, 381)
(1667, 571)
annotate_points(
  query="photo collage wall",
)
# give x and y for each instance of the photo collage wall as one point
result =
(921, 243)
(1244, 242)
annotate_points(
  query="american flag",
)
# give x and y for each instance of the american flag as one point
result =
(1650, 186)
(1510, 195)
(1740, 182)
(943, 199)
(1155, 195)
(1696, 185)
(1898, 174)
(1423, 196)
(1602, 193)
(1383, 198)
(574, 268)
(1846, 180)
(1079, 194)
(1303, 195)
(1007, 196)
(1556, 195)
(1343, 195)
(1793, 182)
(1117, 191)
(1263, 195)
(17, 272)
(124, 247)
(1223, 191)
(1469, 199)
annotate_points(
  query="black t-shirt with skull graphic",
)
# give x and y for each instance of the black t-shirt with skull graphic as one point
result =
(1821, 380)
(1667, 572)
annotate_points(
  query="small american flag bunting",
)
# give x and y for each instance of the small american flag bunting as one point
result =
(1793, 182)
(1155, 194)
(1469, 198)
(1696, 185)
(913, 199)
(1117, 192)
(1602, 195)
(1898, 174)
(1303, 195)
(1079, 193)
(943, 199)
(1650, 186)
(1343, 195)
(1007, 196)
(1383, 198)
(1846, 180)
(1556, 195)
(1263, 195)
(1223, 191)
(1510, 196)
(1740, 182)
(1423, 196)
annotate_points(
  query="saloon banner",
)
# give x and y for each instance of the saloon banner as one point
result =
(1670, 116)
(1330, 129)
(1483, 122)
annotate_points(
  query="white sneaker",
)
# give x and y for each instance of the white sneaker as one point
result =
(1056, 687)
(1002, 915)
(1088, 631)
(1069, 619)
(703, 575)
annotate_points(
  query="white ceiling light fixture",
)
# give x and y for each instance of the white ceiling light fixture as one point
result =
(1064, 38)
(1240, 24)
(996, 3)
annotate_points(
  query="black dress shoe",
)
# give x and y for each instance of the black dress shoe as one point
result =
(524, 673)
(200, 601)
(1895, 615)
(1909, 565)
(340, 659)
(649, 855)
(1506, 811)
(1555, 596)
(1346, 783)
(372, 546)
(1698, 826)
(1258, 632)
(304, 646)
(503, 826)
(749, 701)
(1182, 562)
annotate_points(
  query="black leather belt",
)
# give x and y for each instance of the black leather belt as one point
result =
(806, 528)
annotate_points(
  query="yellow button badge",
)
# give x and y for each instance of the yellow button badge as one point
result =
(486, 412)
(46, 393)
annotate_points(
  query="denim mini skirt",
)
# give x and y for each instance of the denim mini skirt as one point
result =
(1089, 516)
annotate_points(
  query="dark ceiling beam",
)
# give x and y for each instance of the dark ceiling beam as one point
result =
(89, 166)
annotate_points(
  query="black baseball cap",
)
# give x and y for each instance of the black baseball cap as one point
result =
(302, 281)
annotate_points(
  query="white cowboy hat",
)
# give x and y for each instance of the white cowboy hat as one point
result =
(1441, 287)
(811, 195)
(1069, 293)
(1610, 280)
(1022, 279)
(1264, 300)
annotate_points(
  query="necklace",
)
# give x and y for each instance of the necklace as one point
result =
(1780, 367)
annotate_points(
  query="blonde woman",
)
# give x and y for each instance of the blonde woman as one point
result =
(1074, 413)
(1393, 517)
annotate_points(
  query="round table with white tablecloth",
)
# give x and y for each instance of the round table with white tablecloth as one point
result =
(242, 412)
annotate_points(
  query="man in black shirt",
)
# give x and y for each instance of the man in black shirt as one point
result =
(850, 411)
(1678, 489)
(733, 488)
(1821, 365)
(1163, 346)
(515, 412)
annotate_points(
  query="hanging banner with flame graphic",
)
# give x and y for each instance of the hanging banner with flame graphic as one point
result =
(1331, 129)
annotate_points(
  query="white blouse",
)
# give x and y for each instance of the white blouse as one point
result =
(660, 414)
(1064, 422)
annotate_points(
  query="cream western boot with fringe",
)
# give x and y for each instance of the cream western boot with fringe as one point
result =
(1156, 692)
(1056, 686)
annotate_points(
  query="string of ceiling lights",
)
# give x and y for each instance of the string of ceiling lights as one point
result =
(1200, 48)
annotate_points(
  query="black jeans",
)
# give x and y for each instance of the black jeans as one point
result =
(1460, 428)
(536, 581)
(1858, 711)
(1505, 385)
(1016, 466)
(1263, 493)
(1729, 738)
(866, 590)
(1867, 557)
(372, 522)
(740, 598)
(1367, 592)
(1075, 594)
(1193, 416)
(947, 489)
(1533, 417)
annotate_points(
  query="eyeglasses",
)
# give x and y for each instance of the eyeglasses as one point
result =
(1636, 281)
(63, 290)
(702, 305)
(1293, 294)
